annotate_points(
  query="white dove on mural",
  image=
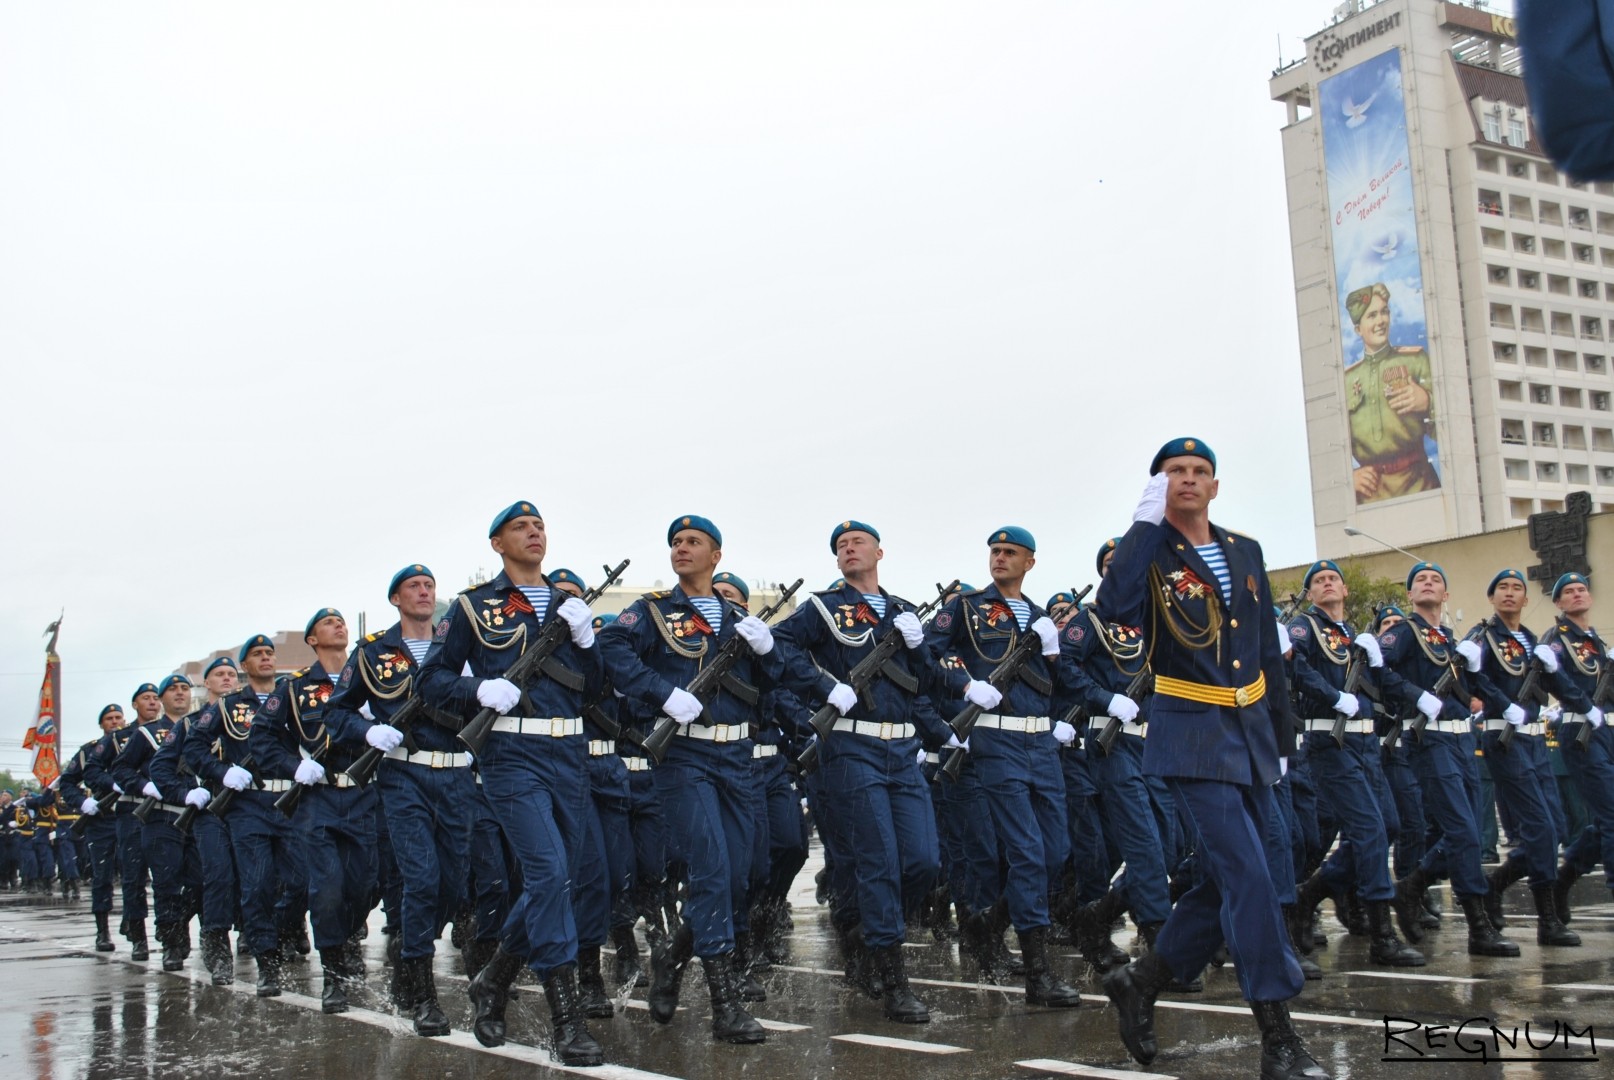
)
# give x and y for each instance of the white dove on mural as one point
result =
(1356, 115)
(1386, 249)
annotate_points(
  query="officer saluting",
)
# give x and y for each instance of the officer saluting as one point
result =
(1201, 596)
(533, 765)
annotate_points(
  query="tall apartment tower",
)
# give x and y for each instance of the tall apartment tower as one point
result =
(1455, 291)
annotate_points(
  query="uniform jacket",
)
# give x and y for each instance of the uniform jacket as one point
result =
(381, 672)
(218, 736)
(975, 631)
(291, 725)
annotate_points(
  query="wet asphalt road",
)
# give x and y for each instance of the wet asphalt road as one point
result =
(69, 1012)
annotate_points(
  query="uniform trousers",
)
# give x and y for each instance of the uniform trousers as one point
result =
(706, 796)
(427, 813)
(1025, 792)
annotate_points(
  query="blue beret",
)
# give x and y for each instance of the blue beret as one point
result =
(1569, 579)
(412, 570)
(963, 588)
(105, 709)
(602, 621)
(1183, 448)
(143, 688)
(694, 521)
(324, 612)
(510, 513)
(1418, 568)
(1503, 575)
(252, 643)
(1104, 549)
(1013, 534)
(1385, 612)
(836, 586)
(8, 791)
(1059, 598)
(726, 578)
(221, 661)
(566, 577)
(170, 682)
(1319, 565)
(852, 526)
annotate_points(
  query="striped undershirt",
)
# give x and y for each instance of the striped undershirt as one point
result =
(417, 647)
(1518, 635)
(710, 608)
(877, 602)
(538, 597)
(1217, 561)
(263, 695)
(1022, 611)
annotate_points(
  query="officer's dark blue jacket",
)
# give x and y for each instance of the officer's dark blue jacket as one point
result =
(1569, 75)
(1322, 657)
(292, 721)
(218, 736)
(489, 626)
(830, 652)
(973, 632)
(1098, 649)
(132, 767)
(1196, 739)
(1416, 655)
(1582, 656)
(661, 642)
(381, 671)
(165, 763)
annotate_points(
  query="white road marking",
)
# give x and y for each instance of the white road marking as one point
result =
(1580, 986)
(1413, 977)
(1072, 1068)
(770, 1025)
(888, 1043)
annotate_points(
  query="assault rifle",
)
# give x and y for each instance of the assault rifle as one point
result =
(287, 803)
(710, 678)
(1530, 693)
(148, 804)
(1447, 683)
(1358, 686)
(227, 796)
(863, 676)
(538, 658)
(1141, 686)
(1602, 698)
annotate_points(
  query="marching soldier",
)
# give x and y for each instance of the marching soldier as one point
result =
(533, 766)
(132, 870)
(99, 826)
(1216, 739)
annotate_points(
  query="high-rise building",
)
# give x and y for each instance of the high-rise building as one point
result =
(1455, 291)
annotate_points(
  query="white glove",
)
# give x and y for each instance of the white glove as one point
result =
(983, 694)
(1429, 705)
(11, 824)
(1513, 714)
(1064, 733)
(1551, 713)
(920, 759)
(116, 788)
(843, 697)
(1347, 705)
(1370, 645)
(1152, 503)
(150, 791)
(197, 797)
(365, 711)
(580, 619)
(1595, 717)
(1470, 651)
(756, 634)
(89, 807)
(682, 706)
(952, 743)
(1548, 658)
(1285, 642)
(237, 779)
(309, 772)
(907, 624)
(1049, 633)
(383, 737)
(1123, 708)
(1283, 767)
(500, 695)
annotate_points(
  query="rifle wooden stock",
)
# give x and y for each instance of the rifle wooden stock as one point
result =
(862, 677)
(526, 667)
(706, 683)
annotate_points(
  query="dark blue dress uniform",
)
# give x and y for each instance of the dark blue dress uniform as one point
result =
(100, 832)
(337, 819)
(1217, 729)
(1583, 657)
(534, 767)
(220, 893)
(176, 869)
(270, 858)
(426, 795)
(132, 870)
(870, 762)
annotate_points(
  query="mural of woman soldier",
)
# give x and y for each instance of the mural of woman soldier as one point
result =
(1392, 414)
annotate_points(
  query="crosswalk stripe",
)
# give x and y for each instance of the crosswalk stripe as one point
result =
(1097, 1072)
(888, 1043)
(1411, 977)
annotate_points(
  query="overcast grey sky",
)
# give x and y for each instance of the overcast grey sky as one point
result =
(294, 294)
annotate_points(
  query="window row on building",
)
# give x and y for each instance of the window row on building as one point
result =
(1520, 509)
(1522, 243)
(1517, 432)
(1553, 472)
(1540, 172)
(1536, 320)
(1564, 360)
(1565, 397)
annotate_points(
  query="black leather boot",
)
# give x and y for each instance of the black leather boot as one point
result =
(1042, 987)
(216, 956)
(730, 1022)
(859, 972)
(1003, 960)
(1385, 947)
(899, 1001)
(757, 961)
(574, 1043)
(1193, 986)
(1133, 988)
(1567, 876)
(667, 963)
(751, 988)
(269, 974)
(1310, 893)
(591, 985)
(1090, 926)
(1299, 927)
(429, 1018)
(332, 998)
(353, 956)
(1549, 931)
(490, 993)
(629, 964)
(1283, 1055)
(1408, 904)
(477, 954)
(1506, 874)
(168, 938)
(1483, 940)
(103, 934)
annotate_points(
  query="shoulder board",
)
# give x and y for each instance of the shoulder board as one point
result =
(1408, 350)
(299, 673)
(972, 592)
(826, 592)
(897, 602)
(659, 595)
(370, 638)
(1240, 535)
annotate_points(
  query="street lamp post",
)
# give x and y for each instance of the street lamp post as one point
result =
(1351, 530)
